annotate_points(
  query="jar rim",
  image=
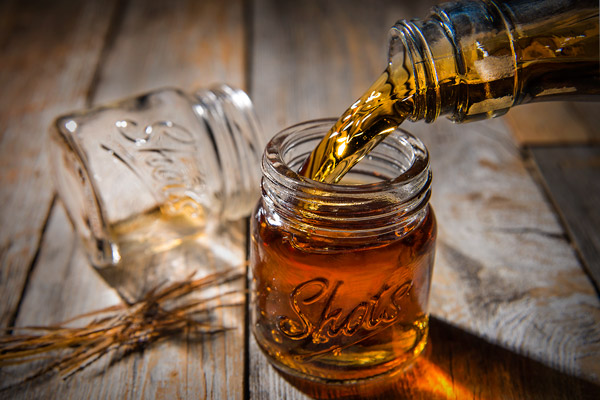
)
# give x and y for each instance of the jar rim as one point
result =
(397, 200)
(273, 162)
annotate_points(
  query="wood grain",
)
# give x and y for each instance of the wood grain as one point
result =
(555, 123)
(63, 286)
(184, 43)
(49, 54)
(572, 176)
(505, 269)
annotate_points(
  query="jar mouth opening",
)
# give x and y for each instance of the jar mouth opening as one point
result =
(400, 160)
(392, 199)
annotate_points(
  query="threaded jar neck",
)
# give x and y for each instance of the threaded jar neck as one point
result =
(391, 196)
(234, 131)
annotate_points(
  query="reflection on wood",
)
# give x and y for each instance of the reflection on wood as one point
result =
(458, 365)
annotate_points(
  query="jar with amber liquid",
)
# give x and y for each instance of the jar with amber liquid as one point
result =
(341, 272)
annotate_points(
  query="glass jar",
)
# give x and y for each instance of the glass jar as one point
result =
(146, 181)
(341, 273)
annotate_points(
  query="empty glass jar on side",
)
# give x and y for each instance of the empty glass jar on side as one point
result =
(147, 182)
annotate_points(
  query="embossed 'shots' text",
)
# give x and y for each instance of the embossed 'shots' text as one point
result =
(318, 297)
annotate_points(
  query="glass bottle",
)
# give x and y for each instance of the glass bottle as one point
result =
(341, 273)
(475, 59)
(148, 182)
(468, 60)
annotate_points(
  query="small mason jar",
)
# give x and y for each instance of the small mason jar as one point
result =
(341, 273)
(148, 181)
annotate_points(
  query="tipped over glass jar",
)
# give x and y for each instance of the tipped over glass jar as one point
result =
(150, 182)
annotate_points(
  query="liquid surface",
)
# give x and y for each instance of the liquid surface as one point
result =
(323, 315)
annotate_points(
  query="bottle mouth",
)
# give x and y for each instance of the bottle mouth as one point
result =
(384, 191)
(410, 50)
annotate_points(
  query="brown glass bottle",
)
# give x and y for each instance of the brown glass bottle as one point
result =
(469, 60)
(341, 273)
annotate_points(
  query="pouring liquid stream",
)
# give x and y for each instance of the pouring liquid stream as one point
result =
(378, 112)
(555, 58)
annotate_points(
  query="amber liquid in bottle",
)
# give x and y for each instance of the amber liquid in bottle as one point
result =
(321, 312)
(557, 59)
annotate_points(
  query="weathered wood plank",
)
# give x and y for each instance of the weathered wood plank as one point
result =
(183, 44)
(572, 176)
(63, 286)
(49, 54)
(555, 123)
(59, 289)
(190, 45)
(505, 271)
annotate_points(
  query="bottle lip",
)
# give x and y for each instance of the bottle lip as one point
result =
(400, 163)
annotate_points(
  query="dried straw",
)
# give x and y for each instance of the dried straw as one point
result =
(165, 311)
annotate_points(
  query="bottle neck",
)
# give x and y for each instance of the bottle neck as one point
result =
(477, 59)
(385, 194)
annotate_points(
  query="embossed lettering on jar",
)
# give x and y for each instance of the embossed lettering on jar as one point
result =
(341, 273)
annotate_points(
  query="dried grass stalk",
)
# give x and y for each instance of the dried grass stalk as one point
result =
(165, 311)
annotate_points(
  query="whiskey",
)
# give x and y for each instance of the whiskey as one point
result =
(469, 60)
(362, 126)
(326, 314)
(341, 273)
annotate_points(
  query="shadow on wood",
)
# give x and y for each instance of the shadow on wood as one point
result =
(459, 365)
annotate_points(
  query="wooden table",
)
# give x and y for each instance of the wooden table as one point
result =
(515, 313)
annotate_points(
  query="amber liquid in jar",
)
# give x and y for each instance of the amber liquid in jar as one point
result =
(342, 312)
